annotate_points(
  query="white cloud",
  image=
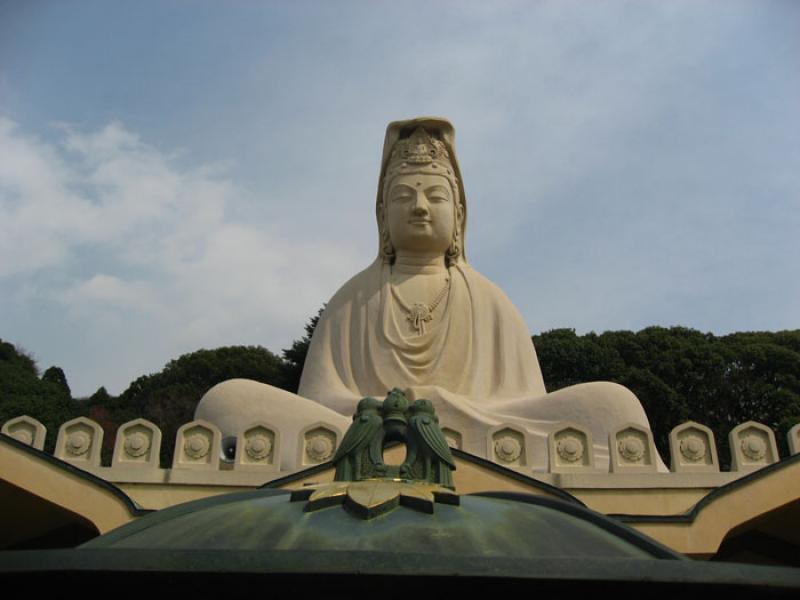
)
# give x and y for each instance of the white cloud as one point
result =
(627, 163)
(125, 241)
(107, 290)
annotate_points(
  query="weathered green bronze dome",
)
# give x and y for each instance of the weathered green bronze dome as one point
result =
(389, 538)
(384, 517)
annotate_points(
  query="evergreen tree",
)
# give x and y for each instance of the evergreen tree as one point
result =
(168, 398)
(295, 356)
(680, 374)
(22, 392)
(56, 376)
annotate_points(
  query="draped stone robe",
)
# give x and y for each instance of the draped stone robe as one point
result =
(477, 346)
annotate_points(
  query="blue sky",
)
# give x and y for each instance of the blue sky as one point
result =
(177, 175)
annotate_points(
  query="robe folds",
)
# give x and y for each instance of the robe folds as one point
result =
(477, 347)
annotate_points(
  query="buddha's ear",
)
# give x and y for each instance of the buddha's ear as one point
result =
(454, 253)
(387, 249)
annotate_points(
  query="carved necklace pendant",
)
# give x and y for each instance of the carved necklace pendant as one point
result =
(419, 313)
(418, 316)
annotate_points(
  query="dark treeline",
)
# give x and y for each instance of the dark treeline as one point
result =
(679, 374)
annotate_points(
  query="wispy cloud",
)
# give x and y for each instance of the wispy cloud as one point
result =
(627, 163)
(122, 238)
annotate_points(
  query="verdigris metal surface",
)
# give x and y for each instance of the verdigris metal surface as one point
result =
(477, 527)
(284, 543)
(428, 457)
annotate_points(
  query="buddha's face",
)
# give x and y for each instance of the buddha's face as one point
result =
(420, 213)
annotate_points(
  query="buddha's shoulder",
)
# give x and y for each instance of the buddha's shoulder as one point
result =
(478, 281)
(360, 286)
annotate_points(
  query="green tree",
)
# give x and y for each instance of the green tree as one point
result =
(677, 373)
(295, 356)
(101, 397)
(22, 392)
(682, 374)
(168, 398)
(56, 376)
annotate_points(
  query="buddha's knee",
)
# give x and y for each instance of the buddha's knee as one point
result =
(622, 400)
(602, 405)
(226, 403)
(236, 404)
(611, 402)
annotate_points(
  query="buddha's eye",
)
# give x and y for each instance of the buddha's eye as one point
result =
(438, 195)
(402, 194)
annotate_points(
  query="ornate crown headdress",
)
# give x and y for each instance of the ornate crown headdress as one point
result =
(419, 147)
(420, 152)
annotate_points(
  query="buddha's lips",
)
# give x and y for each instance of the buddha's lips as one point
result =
(419, 221)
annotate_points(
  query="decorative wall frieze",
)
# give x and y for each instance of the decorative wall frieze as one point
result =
(752, 446)
(137, 445)
(794, 439)
(258, 448)
(692, 449)
(317, 444)
(197, 446)
(453, 437)
(632, 450)
(570, 449)
(27, 430)
(80, 442)
(508, 446)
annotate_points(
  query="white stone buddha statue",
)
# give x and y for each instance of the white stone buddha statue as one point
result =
(420, 318)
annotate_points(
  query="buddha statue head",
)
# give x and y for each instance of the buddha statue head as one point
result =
(421, 207)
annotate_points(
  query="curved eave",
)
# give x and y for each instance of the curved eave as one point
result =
(32, 480)
(701, 530)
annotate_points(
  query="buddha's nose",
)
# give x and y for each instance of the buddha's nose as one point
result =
(420, 204)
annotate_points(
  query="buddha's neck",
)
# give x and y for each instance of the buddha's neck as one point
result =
(419, 263)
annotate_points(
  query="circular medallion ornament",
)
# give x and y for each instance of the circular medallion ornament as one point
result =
(258, 447)
(137, 444)
(24, 436)
(319, 448)
(570, 448)
(693, 448)
(196, 446)
(78, 443)
(631, 448)
(753, 447)
(507, 448)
